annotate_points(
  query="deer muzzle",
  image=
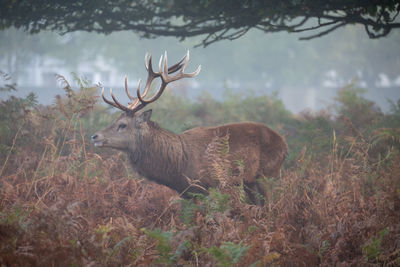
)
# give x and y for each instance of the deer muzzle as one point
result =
(97, 140)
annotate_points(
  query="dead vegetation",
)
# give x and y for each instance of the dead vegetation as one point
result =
(64, 204)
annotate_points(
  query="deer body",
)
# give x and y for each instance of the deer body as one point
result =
(261, 149)
(178, 160)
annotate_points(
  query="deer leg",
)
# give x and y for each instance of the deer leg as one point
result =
(255, 193)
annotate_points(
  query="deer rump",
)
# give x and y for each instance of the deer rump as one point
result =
(185, 162)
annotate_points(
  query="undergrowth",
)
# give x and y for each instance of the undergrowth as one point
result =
(65, 203)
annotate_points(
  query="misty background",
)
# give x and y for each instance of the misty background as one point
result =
(304, 74)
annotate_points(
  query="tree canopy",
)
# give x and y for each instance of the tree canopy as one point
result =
(213, 19)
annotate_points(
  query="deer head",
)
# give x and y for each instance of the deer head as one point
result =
(127, 130)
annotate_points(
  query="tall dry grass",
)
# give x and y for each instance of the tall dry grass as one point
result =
(64, 203)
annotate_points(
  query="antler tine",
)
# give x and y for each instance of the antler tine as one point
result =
(139, 95)
(145, 61)
(159, 64)
(135, 103)
(181, 74)
(193, 74)
(165, 63)
(134, 99)
(106, 100)
(177, 66)
(146, 89)
(154, 98)
(172, 69)
(150, 68)
(120, 106)
(186, 61)
(127, 91)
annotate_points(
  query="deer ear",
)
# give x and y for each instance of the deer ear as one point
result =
(145, 116)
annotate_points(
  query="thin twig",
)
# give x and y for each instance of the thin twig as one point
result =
(12, 147)
(84, 149)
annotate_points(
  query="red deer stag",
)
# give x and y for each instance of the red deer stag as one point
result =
(179, 160)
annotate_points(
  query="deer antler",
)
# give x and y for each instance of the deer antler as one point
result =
(139, 102)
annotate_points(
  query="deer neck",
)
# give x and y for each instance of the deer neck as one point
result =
(160, 154)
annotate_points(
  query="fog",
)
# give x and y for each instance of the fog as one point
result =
(304, 74)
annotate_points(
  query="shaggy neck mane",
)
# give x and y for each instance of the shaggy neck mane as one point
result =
(159, 155)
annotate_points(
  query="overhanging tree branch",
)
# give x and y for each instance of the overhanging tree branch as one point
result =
(216, 20)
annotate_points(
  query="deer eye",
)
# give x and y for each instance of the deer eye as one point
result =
(121, 126)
